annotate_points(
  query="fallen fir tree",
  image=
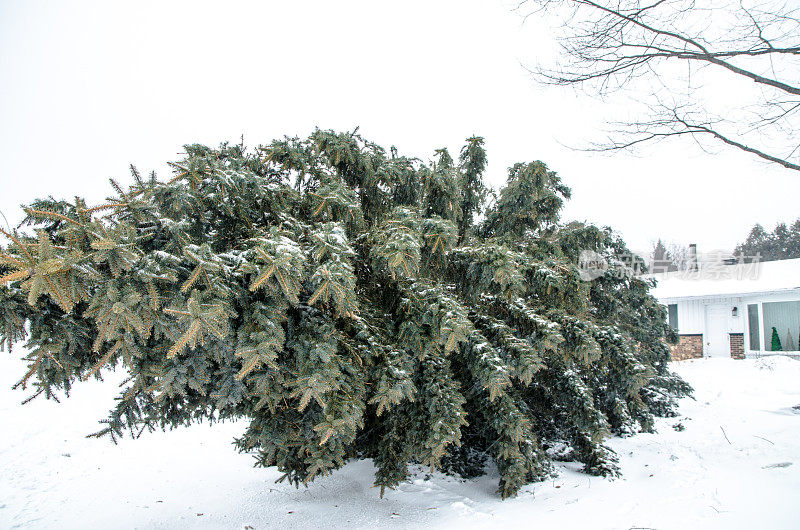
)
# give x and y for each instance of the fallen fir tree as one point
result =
(344, 300)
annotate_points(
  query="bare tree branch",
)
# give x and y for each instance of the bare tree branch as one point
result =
(694, 128)
(607, 45)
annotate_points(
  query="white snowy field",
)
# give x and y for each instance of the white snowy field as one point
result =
(736, 464)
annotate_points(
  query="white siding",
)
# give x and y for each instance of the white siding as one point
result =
(736, 324)
(692, 314)
(691, 317)
(740, 323)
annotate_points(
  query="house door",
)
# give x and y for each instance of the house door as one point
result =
(717, 341)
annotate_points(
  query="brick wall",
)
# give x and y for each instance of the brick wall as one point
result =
(688, 347)
(737, 345)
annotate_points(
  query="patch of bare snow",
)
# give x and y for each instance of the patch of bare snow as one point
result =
(735, 464)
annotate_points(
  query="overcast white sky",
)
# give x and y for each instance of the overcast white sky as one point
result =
(87, 88)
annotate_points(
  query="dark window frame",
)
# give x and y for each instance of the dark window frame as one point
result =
(672, 316)
(753, 327)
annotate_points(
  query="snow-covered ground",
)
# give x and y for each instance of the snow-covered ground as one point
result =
(736, 464)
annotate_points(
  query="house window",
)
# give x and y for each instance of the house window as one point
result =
(672, 310)
(752, 323)
(784, 319)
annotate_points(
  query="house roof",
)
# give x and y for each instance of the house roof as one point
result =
(728, 280)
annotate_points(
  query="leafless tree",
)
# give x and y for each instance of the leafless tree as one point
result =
(717, 70)
(680, 256)
(669, 256)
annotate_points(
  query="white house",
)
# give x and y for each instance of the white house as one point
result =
(731, 310)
